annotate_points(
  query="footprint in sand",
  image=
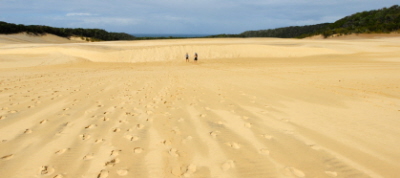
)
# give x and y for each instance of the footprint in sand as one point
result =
(27, 131)
(149, 120)
(91, 126)
(88, 157)
(176, 131)
(7, 157)
(139, 126)
(138, 150)
(99, 140)
(106, 119)
(122, 172)
(62, 151)
(227, 165)
(43, 121)
(103, 174)
(85, 137)
(166, 142)
(123, 121)
(115, 152)
(112, 163)
(214, 134)
(46, 170)
(191, 169)
(58, 176)
(248, 125)
(173, 152)
(131, 137)
(116, 130)
(2, 117)
(233, 145)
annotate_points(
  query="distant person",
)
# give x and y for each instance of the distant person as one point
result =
(187, 57)
(195, 57)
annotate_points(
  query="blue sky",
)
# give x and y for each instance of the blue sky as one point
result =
(181, 16)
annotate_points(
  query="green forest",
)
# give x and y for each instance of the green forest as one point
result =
(93, 34)
(384, 20)
(287, 32)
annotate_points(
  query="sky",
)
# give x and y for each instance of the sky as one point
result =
(182, 16)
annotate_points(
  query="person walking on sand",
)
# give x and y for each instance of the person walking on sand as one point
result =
(195, 57)
(187, 57)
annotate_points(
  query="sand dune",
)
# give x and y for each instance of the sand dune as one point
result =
(30, 38)
(248, 108)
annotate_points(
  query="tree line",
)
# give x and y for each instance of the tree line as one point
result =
(384, 20)
(287, 32)
(93, 34)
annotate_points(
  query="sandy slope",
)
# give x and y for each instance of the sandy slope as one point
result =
(249, 108)
(29, 38)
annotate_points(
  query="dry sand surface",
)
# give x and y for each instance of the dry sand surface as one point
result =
(258, 108)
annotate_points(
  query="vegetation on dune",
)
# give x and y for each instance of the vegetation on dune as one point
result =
(287, 32)
(384, 20)
(225, 36)
(92, 34)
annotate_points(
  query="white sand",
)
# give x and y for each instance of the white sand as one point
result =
(248, 108)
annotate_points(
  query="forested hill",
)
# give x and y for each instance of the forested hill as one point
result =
(384, 20)
(287, 32)
(94, 34)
